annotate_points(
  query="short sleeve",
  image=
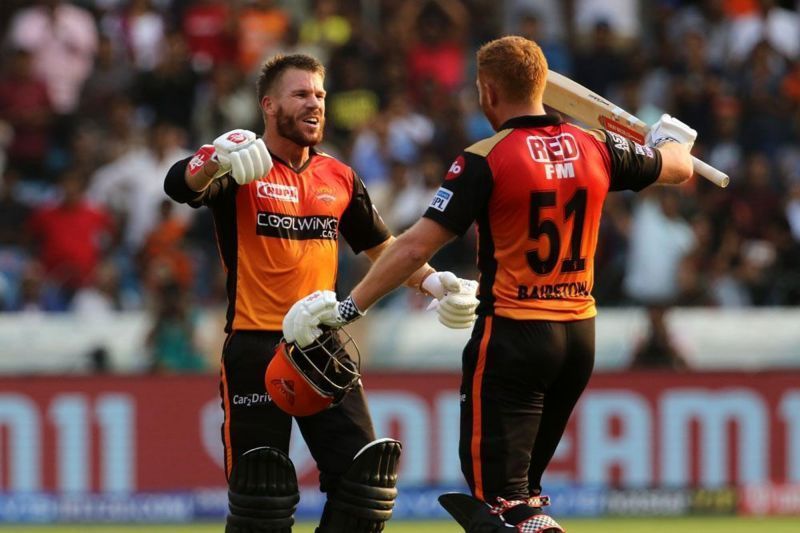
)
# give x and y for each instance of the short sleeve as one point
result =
(633, 166)
(463, 195)
(361, 225)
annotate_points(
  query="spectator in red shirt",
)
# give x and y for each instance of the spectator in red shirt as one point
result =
(25, 105)
(70, 236)
(210, 32)
(437, 50)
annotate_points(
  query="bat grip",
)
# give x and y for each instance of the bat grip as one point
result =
(718, 178)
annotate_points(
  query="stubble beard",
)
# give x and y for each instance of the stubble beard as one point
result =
(288, 127)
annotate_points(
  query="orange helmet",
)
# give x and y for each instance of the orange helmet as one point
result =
(305, 381)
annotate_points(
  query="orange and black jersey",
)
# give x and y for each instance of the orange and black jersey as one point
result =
(536, 190)
(278, 236)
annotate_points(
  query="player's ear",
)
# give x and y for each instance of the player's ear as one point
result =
(268, 105)
(492, 93)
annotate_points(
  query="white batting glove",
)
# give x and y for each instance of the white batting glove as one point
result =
(301, 323)
(455, 301)
(242, 154)
(320, 308)
(670, 129)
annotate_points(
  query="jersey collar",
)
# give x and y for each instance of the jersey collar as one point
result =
(311, 154)
(531, 121)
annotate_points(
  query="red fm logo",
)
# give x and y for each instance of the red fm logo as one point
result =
(553, 149)
(237, 137)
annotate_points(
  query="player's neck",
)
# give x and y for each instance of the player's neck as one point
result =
(506, 112)
(287, 150)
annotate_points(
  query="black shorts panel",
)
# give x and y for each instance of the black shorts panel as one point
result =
(520, 382)
(333, 436)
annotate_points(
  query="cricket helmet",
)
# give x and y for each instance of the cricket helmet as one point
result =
(305, 381)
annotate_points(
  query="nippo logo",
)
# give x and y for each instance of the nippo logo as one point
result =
(237, 137)
(456, 168)
(286, 388)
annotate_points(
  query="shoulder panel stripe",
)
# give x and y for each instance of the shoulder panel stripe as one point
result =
(483, 147)
(597, 133)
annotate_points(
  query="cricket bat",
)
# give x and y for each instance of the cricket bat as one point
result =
(575, 100)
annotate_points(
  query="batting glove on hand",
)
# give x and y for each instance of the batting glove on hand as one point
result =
(670, 129)
(242, 154)
(455, 301)
(301, 323)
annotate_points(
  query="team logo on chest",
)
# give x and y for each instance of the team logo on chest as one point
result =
(276, 191)
(325, 194)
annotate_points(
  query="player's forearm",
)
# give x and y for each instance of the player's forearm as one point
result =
(401, 261)
(415, 280)
(198, 179)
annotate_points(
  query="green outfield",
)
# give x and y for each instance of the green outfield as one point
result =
(622, 525)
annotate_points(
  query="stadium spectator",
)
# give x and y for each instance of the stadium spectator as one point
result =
(696, 84)
(599, 64)
(140, 30)
(409, 131)
(171, 339)
(70, 236)
(163, 255)
(769, 22)
(660, 240)
(13, 213)
(62, 38)
(707, 18)
(325, 28)
(36, 293)
(110, 80)
(121, 133)
(131, 186)
(531, 26)
(621, 16)
(167, 92)
(222, 103)
(353, 103)
(371, 154)
(26, 107)
(262, 27)
(719, 65)
(210, 30)
(100, 299)
(658, 350)
(433, 33)
(411, 190)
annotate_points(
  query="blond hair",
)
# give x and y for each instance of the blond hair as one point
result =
(517, 65)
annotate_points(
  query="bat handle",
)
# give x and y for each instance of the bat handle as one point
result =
(718, 178)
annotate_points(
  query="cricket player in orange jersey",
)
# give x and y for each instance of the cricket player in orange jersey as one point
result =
(279, 207)
(536, 190)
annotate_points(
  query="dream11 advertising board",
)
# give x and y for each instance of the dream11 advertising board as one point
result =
(149, 448)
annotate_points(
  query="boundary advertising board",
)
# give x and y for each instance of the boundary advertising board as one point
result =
(142, 435)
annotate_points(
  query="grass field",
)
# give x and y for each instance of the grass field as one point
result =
(623, 525)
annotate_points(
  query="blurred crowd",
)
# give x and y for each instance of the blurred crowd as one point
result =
(99, 97)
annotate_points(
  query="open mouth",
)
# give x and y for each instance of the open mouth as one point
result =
(313, 121)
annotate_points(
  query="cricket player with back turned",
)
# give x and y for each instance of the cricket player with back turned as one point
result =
(536, 189)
